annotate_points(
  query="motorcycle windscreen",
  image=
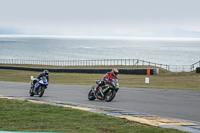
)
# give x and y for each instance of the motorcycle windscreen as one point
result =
(44, 78)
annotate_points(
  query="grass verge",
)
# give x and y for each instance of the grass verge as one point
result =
(165, 79)
(31, 117)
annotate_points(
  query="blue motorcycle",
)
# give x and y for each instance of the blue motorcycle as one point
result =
(39, 87)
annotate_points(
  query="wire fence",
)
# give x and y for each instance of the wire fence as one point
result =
(195, 65)
(104, 62)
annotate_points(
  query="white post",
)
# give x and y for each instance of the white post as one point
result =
(146, 80)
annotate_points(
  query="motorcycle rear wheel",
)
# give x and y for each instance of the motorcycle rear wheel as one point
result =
(110, 95)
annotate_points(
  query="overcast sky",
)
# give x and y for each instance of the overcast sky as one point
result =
(153, 18)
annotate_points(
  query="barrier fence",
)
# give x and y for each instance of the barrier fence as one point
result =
(195, 65)
(104, 62)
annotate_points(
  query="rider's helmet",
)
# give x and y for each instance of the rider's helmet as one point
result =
(46, 72)
(115, 71)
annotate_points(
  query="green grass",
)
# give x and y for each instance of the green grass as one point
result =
(165, 79)
(31, 117)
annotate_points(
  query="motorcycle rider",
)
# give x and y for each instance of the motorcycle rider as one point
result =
(104, 82)
(44, 73)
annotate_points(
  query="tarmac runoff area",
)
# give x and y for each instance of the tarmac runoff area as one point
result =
(148, 119)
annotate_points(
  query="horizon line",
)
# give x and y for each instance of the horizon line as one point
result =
(104, 37)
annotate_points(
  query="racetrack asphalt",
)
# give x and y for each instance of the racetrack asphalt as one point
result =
(180, 104)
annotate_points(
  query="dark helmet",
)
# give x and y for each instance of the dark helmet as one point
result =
(46, 72)
(115, 71)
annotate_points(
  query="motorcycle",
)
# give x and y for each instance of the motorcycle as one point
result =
(39, 87)
(107, 93)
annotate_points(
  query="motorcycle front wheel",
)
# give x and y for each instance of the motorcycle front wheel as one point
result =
(31, 92)
(91, 95)
(110, 95)
(41, 91)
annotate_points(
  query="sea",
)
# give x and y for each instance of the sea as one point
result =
(171, 51)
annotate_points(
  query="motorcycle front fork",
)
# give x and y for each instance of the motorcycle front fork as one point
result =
(31, 84)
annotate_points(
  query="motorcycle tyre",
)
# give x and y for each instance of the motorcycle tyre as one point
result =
(41, 91)
(91, 95)
(112, 96)
(31, 93)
